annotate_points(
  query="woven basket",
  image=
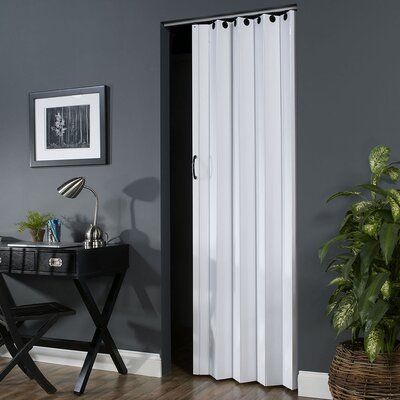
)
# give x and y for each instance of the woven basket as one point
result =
(353, 377)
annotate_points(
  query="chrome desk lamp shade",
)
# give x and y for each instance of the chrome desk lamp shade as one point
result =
(71, 189)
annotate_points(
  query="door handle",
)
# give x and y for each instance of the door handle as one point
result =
(194, 167)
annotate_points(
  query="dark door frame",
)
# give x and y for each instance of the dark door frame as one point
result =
(165, 202)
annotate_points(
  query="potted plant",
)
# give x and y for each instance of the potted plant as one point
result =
(36, 223)
(366, 298)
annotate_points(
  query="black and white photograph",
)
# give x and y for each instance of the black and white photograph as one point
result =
(68, 127)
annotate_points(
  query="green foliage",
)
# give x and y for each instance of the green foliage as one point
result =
(378, 159)
(366, 298)
(34, 220)
(374, 342)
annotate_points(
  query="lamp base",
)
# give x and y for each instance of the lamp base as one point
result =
(88, 244)
(94, 237)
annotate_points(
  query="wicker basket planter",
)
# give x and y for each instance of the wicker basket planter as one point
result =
(353, 377)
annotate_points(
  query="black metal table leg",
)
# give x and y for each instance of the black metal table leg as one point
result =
(102, 334)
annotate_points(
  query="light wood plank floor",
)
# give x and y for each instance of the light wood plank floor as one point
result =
(180, 385)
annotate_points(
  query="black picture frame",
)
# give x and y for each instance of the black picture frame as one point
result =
(102, 90)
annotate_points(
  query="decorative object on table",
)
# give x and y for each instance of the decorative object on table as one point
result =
(71, 189)
(36, 223)
(68, 127)
(366, 298)
(54, 230)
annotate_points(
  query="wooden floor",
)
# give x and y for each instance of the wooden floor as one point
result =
(103, 385)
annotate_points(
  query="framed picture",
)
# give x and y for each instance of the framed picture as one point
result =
(68, 127)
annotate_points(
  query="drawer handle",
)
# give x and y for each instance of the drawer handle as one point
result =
(55, 262)
(0, 260)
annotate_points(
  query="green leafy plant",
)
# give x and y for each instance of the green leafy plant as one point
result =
(366, 298)
(35, 221)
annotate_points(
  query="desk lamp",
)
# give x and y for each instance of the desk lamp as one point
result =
(71, 189)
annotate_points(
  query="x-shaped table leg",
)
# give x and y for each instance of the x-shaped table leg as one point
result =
(102, 334)
(14, 343)
(7, 341)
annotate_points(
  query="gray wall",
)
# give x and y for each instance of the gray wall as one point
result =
(348, 101)
(348, 87)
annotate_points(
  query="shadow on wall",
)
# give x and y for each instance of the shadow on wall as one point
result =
(77, 225)
(143, 258)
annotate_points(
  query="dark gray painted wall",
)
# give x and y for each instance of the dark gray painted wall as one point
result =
(348, 101)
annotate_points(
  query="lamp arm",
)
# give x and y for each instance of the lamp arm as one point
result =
(96, 209)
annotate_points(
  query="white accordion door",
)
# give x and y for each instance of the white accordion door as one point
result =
(244, 200)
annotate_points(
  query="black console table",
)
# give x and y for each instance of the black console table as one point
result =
(77, 264)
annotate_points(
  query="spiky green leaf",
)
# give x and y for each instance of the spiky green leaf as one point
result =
(373, 343)
(371, 229)
(361, 207)
(334, 300)
(370, 293)
(334, 267)
(330, 307)
(335, 295)
(372, 225)
(383, 214)
(388, 238)
(342, 318)
(348, 266)
(393, 173)
(339, 281)
(325, 247)
(343, 194)
(373, 188)
(386, 290)
(347, 224)
(376, 313)
(378, 159)
(394, 202)
(367, 255)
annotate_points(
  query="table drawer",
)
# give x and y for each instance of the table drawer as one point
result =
(4, 260)
(23, 260)
(51, 262)
(45, 263)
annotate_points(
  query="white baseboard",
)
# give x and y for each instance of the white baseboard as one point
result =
(148, 364)
(314, 384)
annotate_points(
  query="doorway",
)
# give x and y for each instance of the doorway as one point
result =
(180, 114)
(268, 120)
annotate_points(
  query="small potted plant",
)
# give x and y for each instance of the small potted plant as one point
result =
(366, 298)
(36, 223)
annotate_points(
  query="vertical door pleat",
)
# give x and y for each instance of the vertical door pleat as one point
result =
(196, 201)
(201, 213)
(221, 201)
(244, 272)
(261, 188)
(289, 327)
(244, 200)
(270, 244)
